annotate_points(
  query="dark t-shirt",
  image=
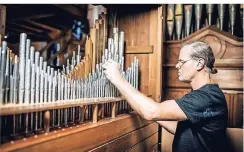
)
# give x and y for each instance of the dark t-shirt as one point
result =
(207, 114)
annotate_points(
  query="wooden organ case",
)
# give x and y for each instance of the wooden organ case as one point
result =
(152, 36)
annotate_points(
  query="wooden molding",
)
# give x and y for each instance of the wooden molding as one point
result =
(229, 63)
(227, 49)
(138, 49)
(210, 29)
(9, 109)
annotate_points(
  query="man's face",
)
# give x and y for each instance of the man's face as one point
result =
(185, 65)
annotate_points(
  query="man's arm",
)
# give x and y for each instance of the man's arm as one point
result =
(146, 107)
(170, 126)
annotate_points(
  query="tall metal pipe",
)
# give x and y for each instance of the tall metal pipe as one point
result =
(188, 18)
(232, 12)
(22, 56)
(221, 11)
(210, 12)
(198, 15)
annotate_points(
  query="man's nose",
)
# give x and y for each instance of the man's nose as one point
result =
(177, 66)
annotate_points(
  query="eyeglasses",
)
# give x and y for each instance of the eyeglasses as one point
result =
(180, 63)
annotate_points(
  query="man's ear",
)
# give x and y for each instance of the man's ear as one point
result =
(200, 64)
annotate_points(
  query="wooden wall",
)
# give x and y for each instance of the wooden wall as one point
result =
(143, 39)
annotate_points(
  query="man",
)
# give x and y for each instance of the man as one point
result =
(199, 119)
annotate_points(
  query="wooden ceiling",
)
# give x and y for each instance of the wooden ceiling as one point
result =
(42, 22)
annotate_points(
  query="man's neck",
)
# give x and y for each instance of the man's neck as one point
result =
(200, 80)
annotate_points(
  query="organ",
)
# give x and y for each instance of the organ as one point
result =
(75, 108)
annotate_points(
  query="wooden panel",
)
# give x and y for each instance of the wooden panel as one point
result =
(136, 31)
(148, 145)
(235, 139)
(80, 138)
(235, 110)
(159, 55)
(129, 140)
(155, 58)
(141, 38)
(137, 34)
(229, 79)
(175, 93)
(226, 78)
(154, 148)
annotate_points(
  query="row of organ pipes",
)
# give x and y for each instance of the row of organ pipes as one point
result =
(182, 20)
(28, 82)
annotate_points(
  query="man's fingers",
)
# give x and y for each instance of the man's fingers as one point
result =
(110, 61)
(105, 72)
(104, 66)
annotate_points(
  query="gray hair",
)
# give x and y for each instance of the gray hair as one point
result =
(204, 51)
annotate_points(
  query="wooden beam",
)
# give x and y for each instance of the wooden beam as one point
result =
(139, 49)
(29, 33)
(39, 16)
(42, 25)
(72, 10)
(2, 20)
(28, 27)
(9, 109)
(54, 32)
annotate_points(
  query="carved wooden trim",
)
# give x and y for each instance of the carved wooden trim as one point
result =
(212, 30)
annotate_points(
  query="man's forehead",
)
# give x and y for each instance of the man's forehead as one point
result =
(185, 52)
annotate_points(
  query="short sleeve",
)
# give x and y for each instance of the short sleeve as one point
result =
(197, 106)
